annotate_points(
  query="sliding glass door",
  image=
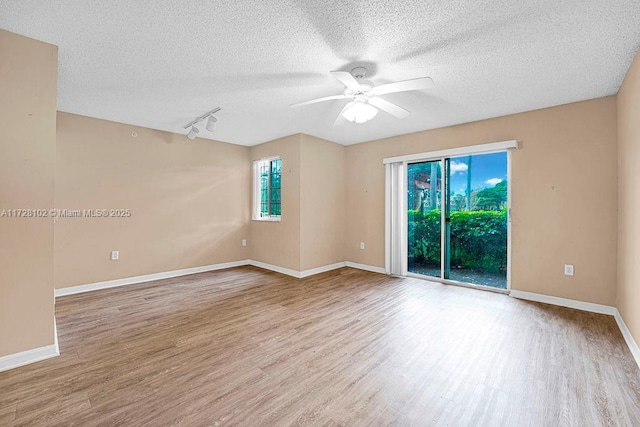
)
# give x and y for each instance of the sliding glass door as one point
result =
(457, 219)
(424, 218)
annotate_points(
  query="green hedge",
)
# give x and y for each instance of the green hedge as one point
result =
(478, 239)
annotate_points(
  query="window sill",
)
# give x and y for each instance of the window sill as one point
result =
(268, 219)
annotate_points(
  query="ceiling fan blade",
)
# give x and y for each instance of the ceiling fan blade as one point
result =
(403, 86)
(389, 107)
(347, 79)
(313, 101)
(340, 120)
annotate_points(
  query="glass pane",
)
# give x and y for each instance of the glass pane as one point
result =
(264, 188)
(478, 219)
(424, 196)
(274, 188)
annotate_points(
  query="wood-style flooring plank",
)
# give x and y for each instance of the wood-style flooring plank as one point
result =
(249, 347)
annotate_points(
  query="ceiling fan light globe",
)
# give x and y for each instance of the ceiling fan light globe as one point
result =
(360, 112)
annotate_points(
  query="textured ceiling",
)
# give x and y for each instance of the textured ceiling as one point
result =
(161, 63)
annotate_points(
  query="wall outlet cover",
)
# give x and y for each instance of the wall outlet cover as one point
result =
(115, 255)
(568, 269)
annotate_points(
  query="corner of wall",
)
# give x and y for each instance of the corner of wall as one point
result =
(28, 84)
(628, 179)
(323, 200)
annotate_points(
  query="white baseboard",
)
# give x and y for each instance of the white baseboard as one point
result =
(295, 273)
(317, 270)
(27, 357)
(72, 290)
(145, 278)
(277, 269)
(564, 302)
(365, 267)
(631, 343)
(55, 335)
(323, 269)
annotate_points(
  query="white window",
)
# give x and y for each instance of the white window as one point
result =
(267, 193)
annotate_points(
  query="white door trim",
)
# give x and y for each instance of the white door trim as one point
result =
(454, 152)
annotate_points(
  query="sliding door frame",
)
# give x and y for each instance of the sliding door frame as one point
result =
(442, 155)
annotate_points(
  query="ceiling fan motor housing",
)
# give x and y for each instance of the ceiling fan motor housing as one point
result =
(359, 72)
(365, 86)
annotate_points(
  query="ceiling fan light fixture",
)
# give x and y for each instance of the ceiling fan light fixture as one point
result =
(193, 133)
(360, 112)
(365, 96)
(211, 123)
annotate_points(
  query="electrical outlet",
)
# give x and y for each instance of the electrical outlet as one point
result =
(568, 269)
(244, 242)
(115, 255)
(361, 245)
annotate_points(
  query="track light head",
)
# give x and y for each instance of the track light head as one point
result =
(211, 123)
(193, 132)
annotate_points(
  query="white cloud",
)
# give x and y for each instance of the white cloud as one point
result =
(493, 181)
(458, 167)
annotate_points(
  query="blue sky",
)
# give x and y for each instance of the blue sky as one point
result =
(486, 171)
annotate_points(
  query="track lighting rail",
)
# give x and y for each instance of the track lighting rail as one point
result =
(201, 118)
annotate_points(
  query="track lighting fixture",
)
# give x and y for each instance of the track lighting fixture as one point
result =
(211, 123)
(193, 132)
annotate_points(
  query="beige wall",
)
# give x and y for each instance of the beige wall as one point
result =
(323, 202)
(563, 195)
(629, 199)
(188, 200)
(278, 243)
(567, 152)
(28, 74)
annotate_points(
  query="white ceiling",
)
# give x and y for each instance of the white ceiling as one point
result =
(161, 63)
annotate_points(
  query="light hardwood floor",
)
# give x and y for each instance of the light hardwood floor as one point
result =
(249, 347)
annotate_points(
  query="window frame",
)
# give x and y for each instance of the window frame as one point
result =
(256, 211)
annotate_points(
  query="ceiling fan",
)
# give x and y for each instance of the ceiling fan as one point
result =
(365, 97)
